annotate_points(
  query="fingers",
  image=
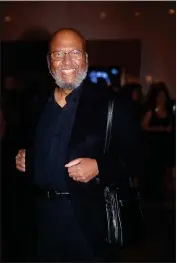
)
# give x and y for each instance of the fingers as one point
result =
(77, 176)
(75, 170)
(22, 153)
(73, 162)
(79, 179)
(20, 161)
(20, 168)
(74, 173)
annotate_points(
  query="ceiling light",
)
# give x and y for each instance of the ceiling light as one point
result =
(137, 13)
(171, 11)
(103, 15)
(7, 18)
(148, 79)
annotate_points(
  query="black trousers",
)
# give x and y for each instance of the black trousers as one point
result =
(59, 237)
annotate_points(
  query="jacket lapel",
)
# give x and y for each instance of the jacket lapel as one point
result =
(88, 131)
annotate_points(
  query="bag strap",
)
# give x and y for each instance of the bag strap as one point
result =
(109, 125)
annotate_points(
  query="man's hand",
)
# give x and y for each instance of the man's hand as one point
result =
(83, 169)
(20, 160)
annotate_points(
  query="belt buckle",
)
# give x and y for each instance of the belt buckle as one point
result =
(64, 196)
(51, 194)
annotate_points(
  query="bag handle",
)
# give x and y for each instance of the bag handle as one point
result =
(109, 125)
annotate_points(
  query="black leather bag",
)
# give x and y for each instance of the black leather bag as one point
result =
(125, 224)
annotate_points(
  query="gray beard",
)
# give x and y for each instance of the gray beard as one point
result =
(64, 85)
(71, 86)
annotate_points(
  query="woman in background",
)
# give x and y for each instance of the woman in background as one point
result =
(157, 123)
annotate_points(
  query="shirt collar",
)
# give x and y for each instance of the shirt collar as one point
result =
(73, 96)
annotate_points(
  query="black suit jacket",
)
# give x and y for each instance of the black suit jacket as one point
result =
(87, 140)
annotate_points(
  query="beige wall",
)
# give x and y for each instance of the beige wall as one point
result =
(154, 27)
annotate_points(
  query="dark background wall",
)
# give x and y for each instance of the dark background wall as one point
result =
(31, 55)
(148, 22)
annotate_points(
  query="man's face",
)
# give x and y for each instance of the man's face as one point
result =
(68, 70)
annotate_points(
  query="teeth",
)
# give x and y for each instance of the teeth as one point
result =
(68, 71)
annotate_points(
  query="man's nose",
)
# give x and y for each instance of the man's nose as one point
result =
(67, 59)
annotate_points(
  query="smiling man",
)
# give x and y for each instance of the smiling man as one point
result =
(65, 160)
(68, 65)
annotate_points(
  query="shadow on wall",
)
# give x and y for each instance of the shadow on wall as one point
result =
(35, 34)
(28, 52)
(27, 57)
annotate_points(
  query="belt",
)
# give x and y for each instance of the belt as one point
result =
(52, 194)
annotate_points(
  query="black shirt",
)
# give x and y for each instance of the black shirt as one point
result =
(51, 142)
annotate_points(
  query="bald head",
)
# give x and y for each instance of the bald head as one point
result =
(68, 33)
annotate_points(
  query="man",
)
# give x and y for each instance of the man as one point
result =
(65, 161)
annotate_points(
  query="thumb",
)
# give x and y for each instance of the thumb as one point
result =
(73, 162)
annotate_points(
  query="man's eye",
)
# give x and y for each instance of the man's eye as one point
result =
(58, 54)
(76, 52)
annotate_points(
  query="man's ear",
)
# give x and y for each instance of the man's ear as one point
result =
(48, 61)
(86, 54)
(49, 64)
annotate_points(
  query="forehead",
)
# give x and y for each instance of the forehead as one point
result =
(66, 40)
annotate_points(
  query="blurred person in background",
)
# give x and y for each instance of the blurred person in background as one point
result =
(133, 91)
(157, 124)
